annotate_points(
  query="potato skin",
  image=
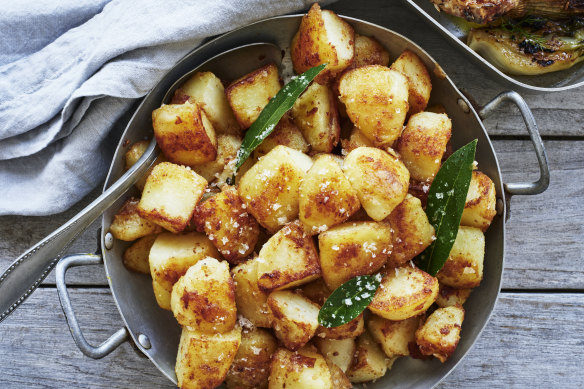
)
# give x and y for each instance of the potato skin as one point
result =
(302, 369)
(440, 334)
(251, 302)
(128, 225)
(464, 266)
(480, 206)
(295, 318)
(135, 257)
(419, 81)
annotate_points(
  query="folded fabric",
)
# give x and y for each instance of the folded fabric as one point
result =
(70, 70)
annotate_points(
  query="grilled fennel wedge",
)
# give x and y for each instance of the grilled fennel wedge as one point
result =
(531, 46)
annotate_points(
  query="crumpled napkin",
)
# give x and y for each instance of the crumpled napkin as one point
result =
(69, 70)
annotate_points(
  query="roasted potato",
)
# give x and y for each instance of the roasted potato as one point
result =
(368, 51)
(251, 302)
(295, 318)
(315, 114)
(356, 139)
(348, 330)
(133, 155)
(326, 196)
(440, 333)
(286, 134)
(128, 225)
(353, 249)
(248, 95)
(464, 267)
(323, 37)
(376, 99)
(227, 146)
(419, 82)
(380, 179)
(340, 352)
(135, 257)
(171, 256)
(448, 296)
(270, 187)
(204, 359)
(404, 292)
(394, 337)
(338, 377)
(423, 143)
(184, 133)
(170, 196)
(316, 291)
(206, 89)
(302, 369)
(480, 206)
(287, 259)
(369, 362)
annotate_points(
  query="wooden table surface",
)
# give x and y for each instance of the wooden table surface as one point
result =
(534, 339)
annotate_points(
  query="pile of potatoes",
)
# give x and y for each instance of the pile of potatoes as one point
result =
(336, 191)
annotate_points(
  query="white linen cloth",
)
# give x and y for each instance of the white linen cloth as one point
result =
(70, 69)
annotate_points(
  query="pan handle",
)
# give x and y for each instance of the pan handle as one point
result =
(113, 341)
(523, 188)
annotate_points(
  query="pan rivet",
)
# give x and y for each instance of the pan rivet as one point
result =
(108, 241)
(462, 104)
(144, 341)
(499, 207)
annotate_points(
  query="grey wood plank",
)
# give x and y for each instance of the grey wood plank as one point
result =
(530, 335)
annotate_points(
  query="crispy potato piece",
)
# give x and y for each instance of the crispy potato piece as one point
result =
(353, 249)
(227, 146)
(198, 364)
(394, 336)
(440, 334)
(128, 225)
(369, 361)
(404, 292)
(248, 95)
(376, 99)
(206, 89)
(204, 298)
(251, 302)
(315, 114)
(286, 134)
(184, 133)
(464, 266)
(171, 195)
(356, 139)
(380, 179)
(270, 188)
(340, 380)
(480, 206)
(302, 369)
(412, 232)
(326, 196)
(368, 51)
(251, 366)
(316, 291)
(228, 225)
(339, 352)
(348, 330)
(423, 143)
(171, 256)
(133, 155)
(287, 259)
(323, 37)
(135, 257)
(295, 318)
(419, 82)
(448, 296)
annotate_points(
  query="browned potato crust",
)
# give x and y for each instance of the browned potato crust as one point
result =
(135, 257)
(251, 302)
(356, 139)
(419, 82)
(448, 296)
(394, 337)
(302, 369)
(295, 318)
(480, 206)
(368, 51)
(440, 334)
(227, 146)
(286, 134)
(348, 330)
(128, 225)
(369, 361)
(464, 267)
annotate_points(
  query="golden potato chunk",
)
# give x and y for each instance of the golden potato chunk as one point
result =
(368, 362)
(348, 330)
(376, 99)
(170, 196)
(326, 196)
(184, 133)
(380, 179)
(302, 369)
(295, 318)
(270, 188)
(412, 232)
(353, 249)
(338, 377)
(368, 51)
(356, 139)
(128, 225)
(340, 352)
(464, 266)
(480, 206)
(315, 114)
(404, 292)
(287, 259)
(251, 302)
(171, 256)
(133, 155)
(440, 334)
(316, 291)
(204, 297)
(419, 82)
(394, 336)
(423, 143)
(251, 366)
(227, 224)
(448, 296)
(323, 37)
(135, 257)
(248, 95)
(206, 89)
(198, 365)
(227, 146)
(286, 134)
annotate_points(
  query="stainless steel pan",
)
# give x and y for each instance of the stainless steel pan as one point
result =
(156, 332)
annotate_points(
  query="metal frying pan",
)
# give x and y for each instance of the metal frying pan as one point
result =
(156, 332)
